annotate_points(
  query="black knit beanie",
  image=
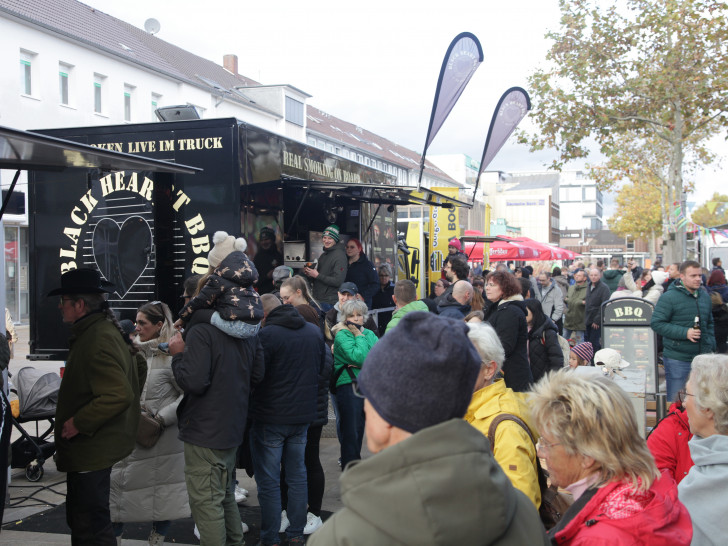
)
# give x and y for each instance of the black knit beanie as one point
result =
(422, 372)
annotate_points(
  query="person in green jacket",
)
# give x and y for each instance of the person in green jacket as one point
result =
(331, 269)
(405, 301)
(674, 318)
(433, 478)
(352, 343)
(612, 275)
(97, 414)
(575, 316)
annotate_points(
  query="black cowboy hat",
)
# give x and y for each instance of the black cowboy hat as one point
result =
(82, 281)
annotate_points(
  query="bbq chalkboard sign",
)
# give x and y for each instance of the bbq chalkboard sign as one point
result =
(626, 328)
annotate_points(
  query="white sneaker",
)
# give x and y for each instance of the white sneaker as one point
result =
(241, 495)
(245, 530)
(155, 539)
(285, 524)
(312, 523)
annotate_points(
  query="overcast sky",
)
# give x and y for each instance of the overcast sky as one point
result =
(374, 63)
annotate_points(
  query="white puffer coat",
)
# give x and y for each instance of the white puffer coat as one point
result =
(149, 485)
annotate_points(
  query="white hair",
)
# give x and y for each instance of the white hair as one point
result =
(487, 343)
(709, 379)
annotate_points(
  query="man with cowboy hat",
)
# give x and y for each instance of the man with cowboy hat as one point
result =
(98, 404)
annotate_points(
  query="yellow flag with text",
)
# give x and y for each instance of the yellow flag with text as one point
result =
(444, 225)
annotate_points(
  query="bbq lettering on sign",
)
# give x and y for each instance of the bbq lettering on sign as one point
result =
(628, 312)
(108, 235)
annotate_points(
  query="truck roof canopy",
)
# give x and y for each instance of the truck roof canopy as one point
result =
(25, 150)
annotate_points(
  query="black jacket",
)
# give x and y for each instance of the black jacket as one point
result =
(216, 372)
(364, 275)
(508, 318)
(381, 300)
(544, 351)
(453, 308)
(266, 261)
(595, 296)
(322, 398)
(294, 357)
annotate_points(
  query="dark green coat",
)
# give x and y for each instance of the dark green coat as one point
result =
(675, 313)
(100, 390)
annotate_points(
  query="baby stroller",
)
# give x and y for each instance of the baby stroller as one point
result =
(38, 395)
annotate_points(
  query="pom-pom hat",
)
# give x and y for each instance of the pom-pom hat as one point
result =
(224, 245)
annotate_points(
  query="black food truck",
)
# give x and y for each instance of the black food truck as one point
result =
(147, 231)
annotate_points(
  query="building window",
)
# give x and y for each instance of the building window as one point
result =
(27, 60)
(590, 193)
(98, 93)
(128, 92)
(156, 101)
(64, 74)
(294, 111)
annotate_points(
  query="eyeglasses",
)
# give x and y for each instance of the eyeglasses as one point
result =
(490, 284)
(542, 445)
(681, 394)
(64, 300)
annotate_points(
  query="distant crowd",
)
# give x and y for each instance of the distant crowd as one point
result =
(483, 427)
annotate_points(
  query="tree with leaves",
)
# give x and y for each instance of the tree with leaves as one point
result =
(638, 214)
(628, 73)
(714, 212)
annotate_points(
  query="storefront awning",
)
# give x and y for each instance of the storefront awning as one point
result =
(382, 194)
(25, 150)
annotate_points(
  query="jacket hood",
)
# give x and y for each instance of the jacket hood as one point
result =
(449, 301)
(286, 316)
(424, 468)
(712, 450)
(547, 325)
(362, 258)
(662, 521)
(237, 268)
(516, 301)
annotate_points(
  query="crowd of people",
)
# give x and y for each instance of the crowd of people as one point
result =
(467, 399)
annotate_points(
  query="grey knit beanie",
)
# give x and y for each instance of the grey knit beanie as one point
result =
(422, 372)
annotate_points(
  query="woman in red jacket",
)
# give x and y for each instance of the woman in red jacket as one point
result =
(592, 447)
(668, 442)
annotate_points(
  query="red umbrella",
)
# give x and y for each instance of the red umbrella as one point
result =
(545, 252)
(500, 250)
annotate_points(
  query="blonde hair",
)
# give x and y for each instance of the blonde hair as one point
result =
(299, 283)
(594, 417)
(709, 379)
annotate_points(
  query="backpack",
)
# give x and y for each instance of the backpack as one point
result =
(553, 503)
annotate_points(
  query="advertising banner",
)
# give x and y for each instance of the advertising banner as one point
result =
(444, 225)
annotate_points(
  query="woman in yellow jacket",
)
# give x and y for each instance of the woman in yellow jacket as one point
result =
(513, 448)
